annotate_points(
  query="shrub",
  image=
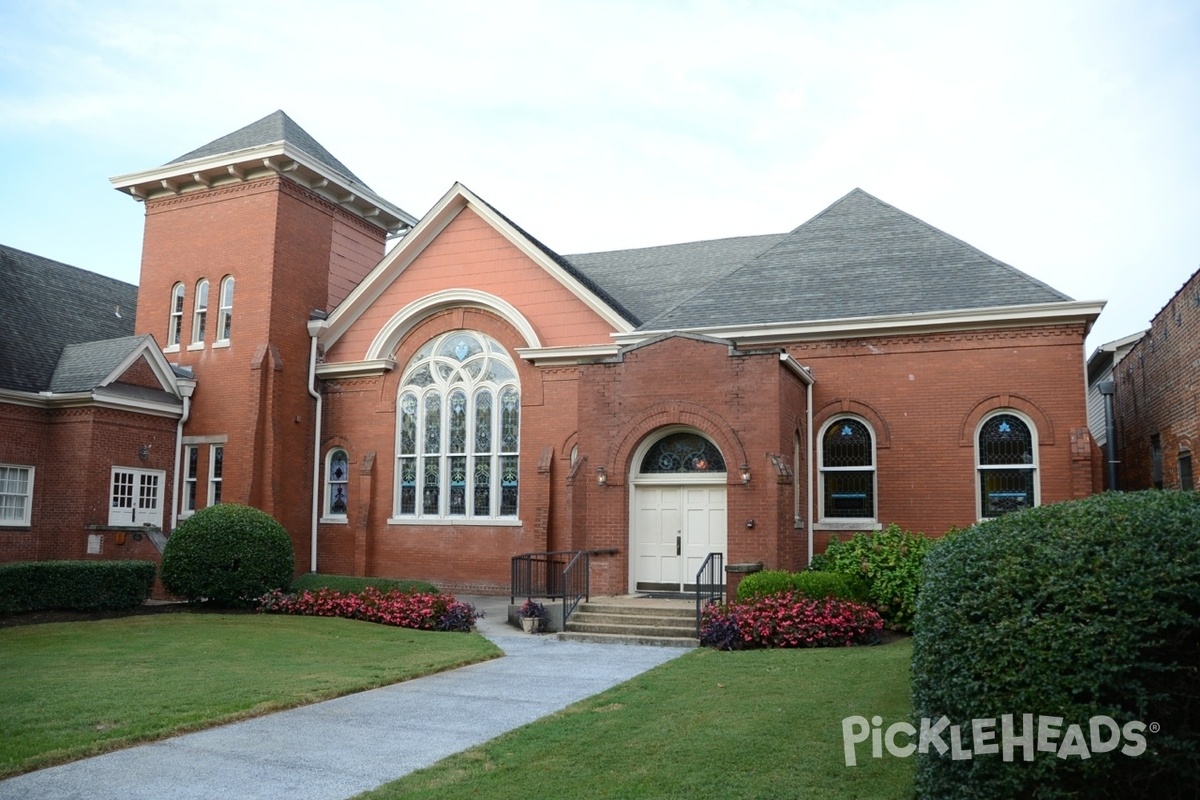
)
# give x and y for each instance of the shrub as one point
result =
(420, 610)
(788, 620)
(890, 562)
(814, 585)
(74, 585)
(227, 555)
(311, 581)
(1076, 610)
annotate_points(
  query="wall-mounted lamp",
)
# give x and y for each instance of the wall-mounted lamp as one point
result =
(745, 473)
(750, 523)
(144, 452)
(601, 477)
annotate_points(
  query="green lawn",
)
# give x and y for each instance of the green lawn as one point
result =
(69, 690)
(757, 724)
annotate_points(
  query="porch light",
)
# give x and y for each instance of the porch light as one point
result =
(601, 477)
(745, 473)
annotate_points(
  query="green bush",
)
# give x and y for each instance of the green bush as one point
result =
(227, 555)
(890, 562)
(349, 584)
(813, 585)
(74, 585)
(1080, 610)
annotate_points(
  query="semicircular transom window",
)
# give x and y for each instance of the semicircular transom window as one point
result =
(682, 452)
(458, 430)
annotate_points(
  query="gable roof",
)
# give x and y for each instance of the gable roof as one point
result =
(45, 306)
(84, 366)
(860, 257)
(275, 127)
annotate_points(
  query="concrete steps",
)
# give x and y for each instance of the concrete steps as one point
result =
(661, 623)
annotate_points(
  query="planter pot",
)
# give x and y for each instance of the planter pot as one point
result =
(529, 624)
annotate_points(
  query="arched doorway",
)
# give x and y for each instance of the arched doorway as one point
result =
(678, 510)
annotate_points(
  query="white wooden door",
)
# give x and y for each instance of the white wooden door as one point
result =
(675, 528)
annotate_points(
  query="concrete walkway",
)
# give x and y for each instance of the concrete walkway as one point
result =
(339, 748)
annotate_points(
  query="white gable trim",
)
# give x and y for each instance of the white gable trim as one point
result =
(157, 361)
(423, 234)
(407, 318)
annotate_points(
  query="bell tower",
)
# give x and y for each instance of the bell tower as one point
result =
(245, 238)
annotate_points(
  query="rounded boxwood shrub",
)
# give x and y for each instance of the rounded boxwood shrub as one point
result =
(227, 555)
(1087, 611)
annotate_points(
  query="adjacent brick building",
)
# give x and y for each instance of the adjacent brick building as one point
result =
(432, 409)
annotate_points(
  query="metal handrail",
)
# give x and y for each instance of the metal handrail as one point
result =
(538, 574)
(711, 590)
(576, 583)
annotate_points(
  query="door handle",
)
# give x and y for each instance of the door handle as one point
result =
(678, 545)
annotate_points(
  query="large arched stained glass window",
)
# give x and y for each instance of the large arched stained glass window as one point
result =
(847, 470)
(1006, 462)
(458, 424)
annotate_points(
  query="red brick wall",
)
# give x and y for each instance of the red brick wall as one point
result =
(1158, 393)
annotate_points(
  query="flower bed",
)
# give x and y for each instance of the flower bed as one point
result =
(788, 620)
(420, 610)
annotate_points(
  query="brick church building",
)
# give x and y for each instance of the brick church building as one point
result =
(427, 398)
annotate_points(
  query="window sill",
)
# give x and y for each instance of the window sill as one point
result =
(444, 522)
(171, 348)
(334, 521)
(220, 343)
(196, 346)
(847, 525)
(16, 524)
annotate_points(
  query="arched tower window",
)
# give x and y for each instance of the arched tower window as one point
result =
(337, 483)
(1006, 464)
(225, 314)
(200, 315)
(847, 469)
(458, 430)
(175, 324)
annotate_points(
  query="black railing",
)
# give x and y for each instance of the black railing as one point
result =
(576, 583)
(710, 584)
(539, 574)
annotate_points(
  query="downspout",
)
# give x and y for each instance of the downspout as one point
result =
(1106, 388)
(186, 387)
(316, 325)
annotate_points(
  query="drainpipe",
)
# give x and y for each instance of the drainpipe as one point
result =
(316, 324)
(1106, 389)
(186, 388)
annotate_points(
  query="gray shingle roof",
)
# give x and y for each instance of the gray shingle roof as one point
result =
(46, 305)
(858, 258)
(82, 367)
(275, 127)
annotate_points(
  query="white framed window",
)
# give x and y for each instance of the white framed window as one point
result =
(1005, 464)
(847, 470)
(458, 431)
(175, 324)
(337, 484)
(225, 311)
(135, 496)
(16, 495)
(200, 314)
(191, 471)
(216, 469)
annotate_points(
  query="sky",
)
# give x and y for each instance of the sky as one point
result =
(1060, 137)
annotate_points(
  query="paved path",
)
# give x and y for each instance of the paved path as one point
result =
(339, 748)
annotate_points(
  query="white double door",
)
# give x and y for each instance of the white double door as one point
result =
(674, 530)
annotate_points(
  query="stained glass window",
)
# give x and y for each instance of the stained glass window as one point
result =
(337, 478)
(1005, 465)
(847, 470)
(458, 430)
(683, 452)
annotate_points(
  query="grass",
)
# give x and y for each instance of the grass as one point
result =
(756, 724)
(69, 690)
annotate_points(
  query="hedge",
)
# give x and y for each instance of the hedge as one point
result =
(1087, 611)
(814, 585)
(74, 585)
(350, 584)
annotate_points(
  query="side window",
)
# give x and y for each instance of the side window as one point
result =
(337, 477)
(136, 497)
(175, 324)
(216, 468)
(191, 458)
(200, 316)
(16, 495)
(1156, 465)
(225, 314)
(1185, 471)
(1006, 464)
(847, 469)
